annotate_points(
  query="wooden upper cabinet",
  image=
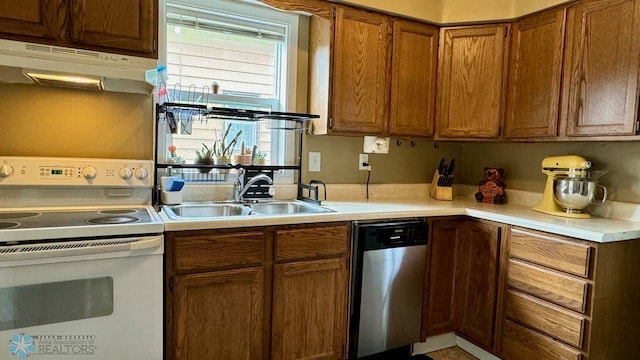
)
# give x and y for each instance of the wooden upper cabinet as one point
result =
(32, 18)
(126, 25)
(360, 72)
(470, 85)
(413, 79)
(535, 69)
(117, 26)
(602, 61)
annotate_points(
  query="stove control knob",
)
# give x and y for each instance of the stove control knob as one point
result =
(6, 170)
(89, 172)
(141, 173)
(126, 173)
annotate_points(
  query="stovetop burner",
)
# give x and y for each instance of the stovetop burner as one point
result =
(8, 224)
(113, 220)
(17, 215)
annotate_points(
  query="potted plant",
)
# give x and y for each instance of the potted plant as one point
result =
(260, 158)
(204, 156)
(221, 149)
(244, 158)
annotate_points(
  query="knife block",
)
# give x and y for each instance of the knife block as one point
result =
(440, 192)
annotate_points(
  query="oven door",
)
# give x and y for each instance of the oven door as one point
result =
(69, 301)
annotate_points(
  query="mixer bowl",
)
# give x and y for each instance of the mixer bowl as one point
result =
(575, 194)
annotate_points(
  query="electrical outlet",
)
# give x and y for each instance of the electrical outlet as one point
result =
(314, 161)
(363, 159)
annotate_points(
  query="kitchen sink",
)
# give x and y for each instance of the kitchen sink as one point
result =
(205, 210)
(287, 207)
(226, 209)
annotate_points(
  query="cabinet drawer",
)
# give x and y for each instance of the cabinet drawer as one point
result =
(560, 289)
(207, 252)
(311, 242)
(520, 343)
(550, 251)
(540, 315)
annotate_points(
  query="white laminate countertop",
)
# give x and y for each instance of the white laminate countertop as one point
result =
(595, 229)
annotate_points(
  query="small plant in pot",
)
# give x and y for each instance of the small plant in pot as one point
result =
(259, 158)
(222, 150)
(204, 156)
(244, 158)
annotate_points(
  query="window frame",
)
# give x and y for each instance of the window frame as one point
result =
(282, 141)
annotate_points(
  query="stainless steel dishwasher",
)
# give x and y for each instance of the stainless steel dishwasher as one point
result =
(386, 288)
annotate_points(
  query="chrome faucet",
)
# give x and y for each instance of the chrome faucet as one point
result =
(240, 188)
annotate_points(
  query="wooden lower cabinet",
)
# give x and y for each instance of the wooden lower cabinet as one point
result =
(309, 312)
(463, 279)
(229, 297)
(570, 299)
(218, 315)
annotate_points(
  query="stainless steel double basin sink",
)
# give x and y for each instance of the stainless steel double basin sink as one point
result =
(200, 210)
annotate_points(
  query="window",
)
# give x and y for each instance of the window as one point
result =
(250, 53)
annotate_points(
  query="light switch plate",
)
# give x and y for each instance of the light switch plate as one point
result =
(376, 145)
(314, 161)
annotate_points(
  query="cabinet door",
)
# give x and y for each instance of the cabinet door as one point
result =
(438, 311)
(413, 79)
(470, 72)
(309, 310)
(32, 18)
(535, 65)
(360, 72)
(476, 282)
(219, 315)
(601, 67)
(123, 25)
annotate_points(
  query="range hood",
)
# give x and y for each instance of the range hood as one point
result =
(45, 64)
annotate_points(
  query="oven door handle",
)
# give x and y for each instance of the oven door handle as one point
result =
(97, 248)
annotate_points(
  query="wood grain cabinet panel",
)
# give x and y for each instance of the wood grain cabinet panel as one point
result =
(476, 282)
(219, 315)
(361, 56)
(545, 317)
(309, 310)
(551, 251)
(601, 68)
(312, 242)
(214, 251)
(33, 18)
(125, 25)
(413, 79)
(520, 343)
(441, 256)
(557, 288)
(117, 26)
(535, 69)
(470, 81)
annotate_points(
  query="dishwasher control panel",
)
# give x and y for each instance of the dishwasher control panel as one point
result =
(392, 234)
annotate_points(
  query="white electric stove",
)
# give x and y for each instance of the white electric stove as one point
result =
(80, 259)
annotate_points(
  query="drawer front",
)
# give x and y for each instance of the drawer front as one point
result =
(550, 251)
(312, 242)
(208, 252)
(550, 319)
(520, 343)
(557, 288)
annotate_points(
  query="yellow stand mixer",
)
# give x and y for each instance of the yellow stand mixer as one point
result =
(555, 166)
